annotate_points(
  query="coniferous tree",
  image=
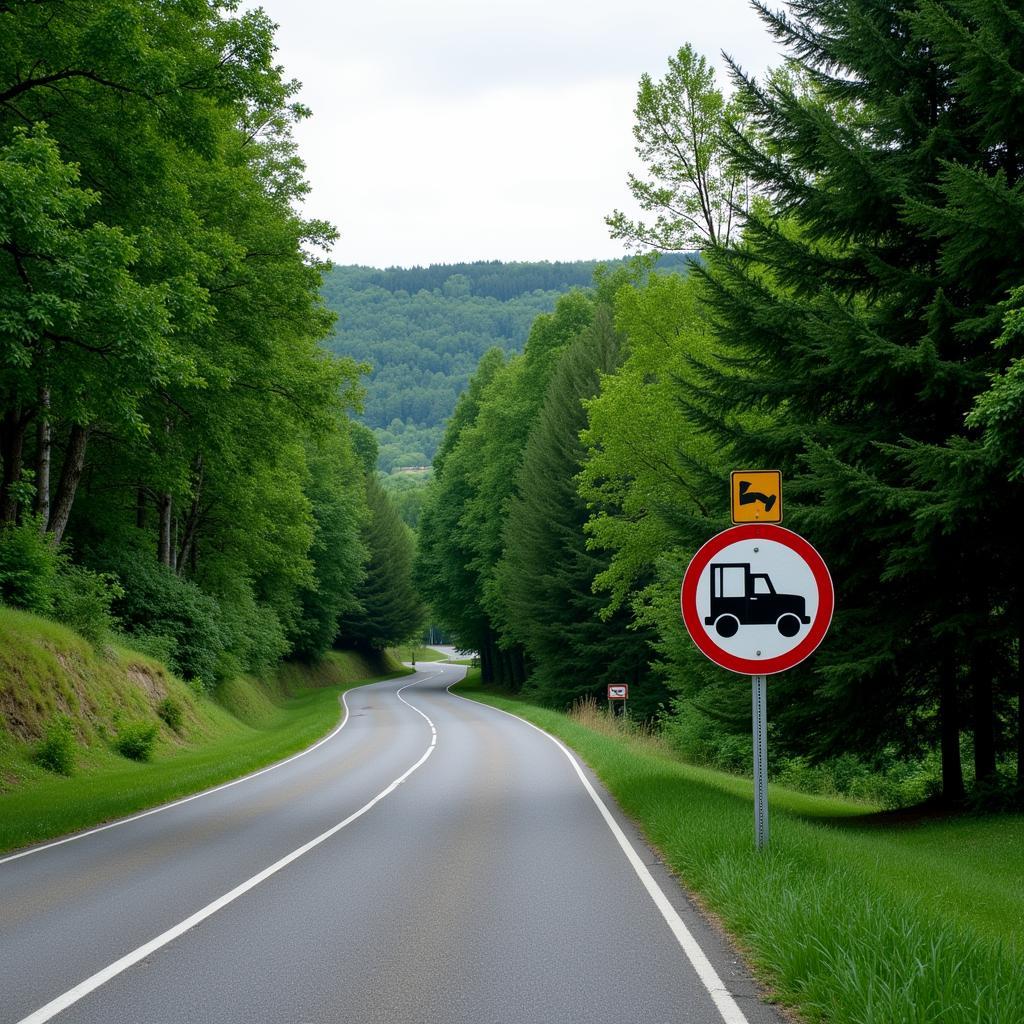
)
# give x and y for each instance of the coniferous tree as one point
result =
(546, 574)
(386, 609)
(867, 294)
(442, 570)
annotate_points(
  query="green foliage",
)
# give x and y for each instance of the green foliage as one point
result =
(387, 609)
(681, 125)
(157, 603)
(160, 338)
(407, 492)
(545, 575)
(56, 751)
(335, 490)
(29, 566)
(171, 713)
(135, 740)
(424, 330)
(83, 600)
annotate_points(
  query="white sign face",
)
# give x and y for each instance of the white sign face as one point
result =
(756, 599)
(617, 692)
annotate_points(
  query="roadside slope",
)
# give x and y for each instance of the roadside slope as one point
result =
(49, 675)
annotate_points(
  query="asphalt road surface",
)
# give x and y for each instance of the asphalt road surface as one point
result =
(432, 860)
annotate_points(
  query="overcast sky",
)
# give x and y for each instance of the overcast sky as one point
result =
(453, 130)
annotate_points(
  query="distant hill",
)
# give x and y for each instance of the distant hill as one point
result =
(423, 329)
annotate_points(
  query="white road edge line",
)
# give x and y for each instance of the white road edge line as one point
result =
(202, 793)
(82, 989)
(721, 996)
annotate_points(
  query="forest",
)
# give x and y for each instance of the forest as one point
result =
(422, 331)
(856, 320)
(182, 467)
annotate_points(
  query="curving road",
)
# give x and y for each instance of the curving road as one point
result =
(432, 860)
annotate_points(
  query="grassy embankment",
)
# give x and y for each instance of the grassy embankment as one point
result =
(416, 654)
(47, 671)
(848, 916)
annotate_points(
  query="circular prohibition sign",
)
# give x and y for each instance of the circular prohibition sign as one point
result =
(781, 629)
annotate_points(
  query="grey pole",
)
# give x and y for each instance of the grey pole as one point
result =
(759, 687)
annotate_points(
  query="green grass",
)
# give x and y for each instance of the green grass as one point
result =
(847, 920)
(247, 724)
(417, 653)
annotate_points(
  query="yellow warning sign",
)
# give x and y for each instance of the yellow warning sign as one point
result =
(756, 496)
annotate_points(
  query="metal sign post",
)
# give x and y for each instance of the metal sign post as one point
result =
(759, 690)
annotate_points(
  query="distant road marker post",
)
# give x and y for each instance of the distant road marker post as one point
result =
(757, 599)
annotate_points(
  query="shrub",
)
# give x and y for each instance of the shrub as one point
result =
(83, 599)
(56, 751)
(136, 740)
(29, 563)
(158, 603)
(171, 712)
(158, 646)
(253, 634)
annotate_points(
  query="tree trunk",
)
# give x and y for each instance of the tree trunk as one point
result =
(140, 507)
(983, 712)
(12, 445)
(163, 543)
(949, 727)
(67, 486)
(43, 451)
(487, 658)
(191, 524)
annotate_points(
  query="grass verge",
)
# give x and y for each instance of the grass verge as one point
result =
(247, 724)
(416, 654)
(846, 922)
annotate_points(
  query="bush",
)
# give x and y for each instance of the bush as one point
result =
(157, 646)
(157, 603)
(171, 712)
(56, 751)
(83, 599)
(136, 740)
(29, 564)
(253, 634)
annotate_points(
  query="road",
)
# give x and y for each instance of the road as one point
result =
(433, 860)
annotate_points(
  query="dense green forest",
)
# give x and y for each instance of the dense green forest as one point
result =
(856, 321)
(179, 462)
(423, 330)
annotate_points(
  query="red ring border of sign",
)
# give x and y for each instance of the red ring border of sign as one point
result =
(756, 666)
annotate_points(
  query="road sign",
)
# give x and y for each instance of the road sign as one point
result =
(756, 496)
(757, 599)
(618, 691)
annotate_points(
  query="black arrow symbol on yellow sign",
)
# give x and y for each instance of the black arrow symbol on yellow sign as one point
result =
(749, 497)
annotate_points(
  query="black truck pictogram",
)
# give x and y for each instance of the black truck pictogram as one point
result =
(740, 597)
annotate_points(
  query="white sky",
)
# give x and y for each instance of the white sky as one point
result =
(484, 129)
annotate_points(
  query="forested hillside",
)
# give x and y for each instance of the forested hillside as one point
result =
(856, 322)
(423, 330)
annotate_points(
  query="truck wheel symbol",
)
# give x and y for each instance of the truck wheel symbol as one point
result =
(727, 625)
(788, 624)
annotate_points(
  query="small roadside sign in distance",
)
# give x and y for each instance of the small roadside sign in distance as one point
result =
(756, 495)
(757, 599)
(618, 691)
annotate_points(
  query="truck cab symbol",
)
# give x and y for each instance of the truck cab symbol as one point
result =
(740, 597)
